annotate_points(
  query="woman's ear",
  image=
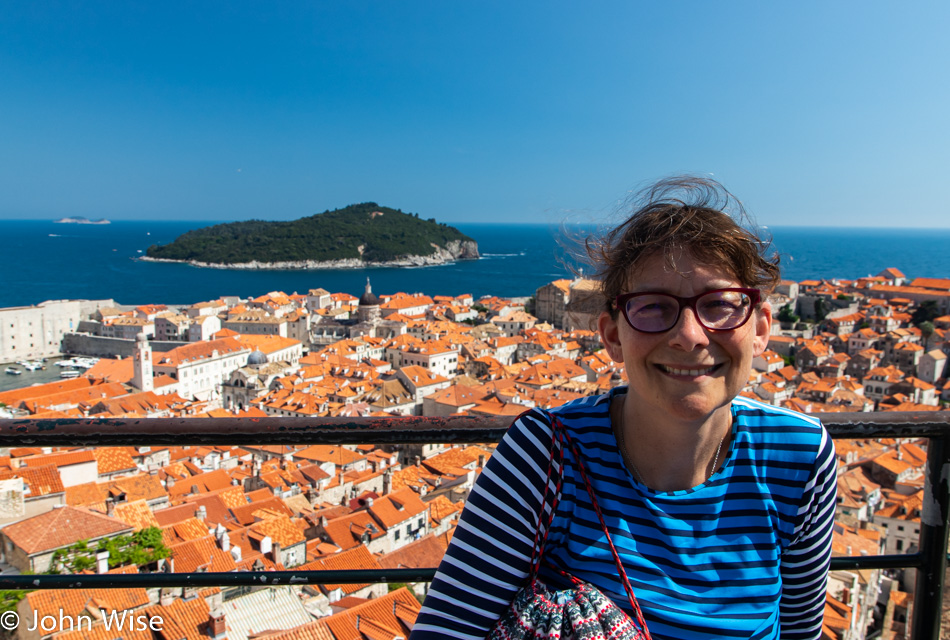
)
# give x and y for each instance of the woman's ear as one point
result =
(763, 328)
(610, 335)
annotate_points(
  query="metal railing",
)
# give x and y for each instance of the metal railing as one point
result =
(930, 561)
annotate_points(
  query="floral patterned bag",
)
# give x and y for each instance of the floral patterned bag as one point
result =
(579, 613)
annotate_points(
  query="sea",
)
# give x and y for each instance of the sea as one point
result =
(44, 260)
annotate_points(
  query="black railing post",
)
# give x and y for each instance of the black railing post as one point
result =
(934, 529)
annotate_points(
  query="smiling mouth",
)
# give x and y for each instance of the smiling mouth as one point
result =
(691, 372)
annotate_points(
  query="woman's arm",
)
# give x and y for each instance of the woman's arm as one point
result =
(805, 562)
(490, 553)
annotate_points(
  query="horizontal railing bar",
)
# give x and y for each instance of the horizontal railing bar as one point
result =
(323, 576)
(893, 561)
(214, 579)
(250, 431)
(92, 432)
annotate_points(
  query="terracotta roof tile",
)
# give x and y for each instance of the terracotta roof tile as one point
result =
(425, 552)
(201, 554)
(138, 487)
(280, 530)
(355, 558)
(39, 481)
(88, 494)
(395, 613)
(62, 527)
(397, 507)
(137, 513)
(73, 602)
(188, 529)
(114, 459)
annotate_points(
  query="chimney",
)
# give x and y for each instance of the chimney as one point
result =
(102, 561)
(275, 550)
(481, 460)
(387, 482)
(418, 461)
(217, 628)
(225, 542)
(266, 545)
(236, 553)
(110, 507)
(369, 503)
(201, 513)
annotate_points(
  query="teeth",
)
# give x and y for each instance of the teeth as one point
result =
(689, 372)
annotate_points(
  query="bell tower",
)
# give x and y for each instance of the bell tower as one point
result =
(142, 364)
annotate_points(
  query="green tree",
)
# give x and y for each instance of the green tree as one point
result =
(927, 329)
(785, 314)
(926, 311)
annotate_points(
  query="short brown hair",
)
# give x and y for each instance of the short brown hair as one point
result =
(683, 214)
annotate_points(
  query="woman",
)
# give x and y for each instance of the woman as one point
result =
(721, 507)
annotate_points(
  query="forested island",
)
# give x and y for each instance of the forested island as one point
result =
(355, 236)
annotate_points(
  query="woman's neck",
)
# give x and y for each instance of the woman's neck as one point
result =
(667, 454)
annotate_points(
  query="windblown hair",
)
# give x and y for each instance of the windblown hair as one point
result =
(681, 215)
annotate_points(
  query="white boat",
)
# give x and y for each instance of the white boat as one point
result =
(13, 371)
(68, 373)
(33, 365)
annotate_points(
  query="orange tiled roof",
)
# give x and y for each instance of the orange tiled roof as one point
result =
(138, 514)
(60, 459)
(72, 602)
(62, 527)
(355, 558)
(425, 552)
(204, 554)
(390, 616)
(39, 481)
(279, 529)
(114, 459)
(397, 507)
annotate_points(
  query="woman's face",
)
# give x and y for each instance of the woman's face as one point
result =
(687, 372)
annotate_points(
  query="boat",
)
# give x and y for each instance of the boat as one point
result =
(68, 373)
(13, 371)
(32, 365)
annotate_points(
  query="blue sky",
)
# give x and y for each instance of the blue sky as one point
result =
(813, 113)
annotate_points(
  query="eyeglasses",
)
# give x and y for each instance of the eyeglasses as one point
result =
(716, 310)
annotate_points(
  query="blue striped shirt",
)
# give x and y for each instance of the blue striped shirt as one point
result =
(743, 555)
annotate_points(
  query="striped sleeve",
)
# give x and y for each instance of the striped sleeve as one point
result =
(805, 562)
(490, 553)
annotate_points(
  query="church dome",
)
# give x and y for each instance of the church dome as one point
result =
(257, 358)
(368, 299)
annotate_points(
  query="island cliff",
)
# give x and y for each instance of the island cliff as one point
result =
(356, 236)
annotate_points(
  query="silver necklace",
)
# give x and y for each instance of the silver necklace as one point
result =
(636, 471)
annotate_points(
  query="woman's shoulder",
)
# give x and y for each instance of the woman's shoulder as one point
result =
(786, 432)
(580, 408)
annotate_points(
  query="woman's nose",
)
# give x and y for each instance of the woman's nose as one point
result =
(687, 333)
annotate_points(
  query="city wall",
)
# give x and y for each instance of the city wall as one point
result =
(103, 347)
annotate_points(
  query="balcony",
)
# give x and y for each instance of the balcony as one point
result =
(930, 561)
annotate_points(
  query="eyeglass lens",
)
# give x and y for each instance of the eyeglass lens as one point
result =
(655, 312)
